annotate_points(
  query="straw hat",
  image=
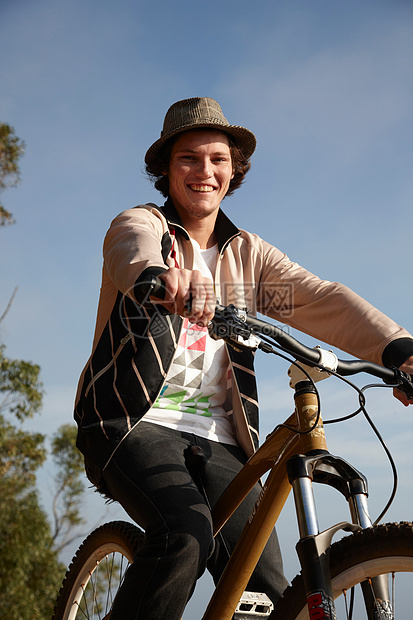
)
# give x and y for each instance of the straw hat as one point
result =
(197, 113)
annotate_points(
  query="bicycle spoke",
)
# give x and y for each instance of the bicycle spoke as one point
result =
(97, 571)
(104, 582)
(349, 606)
(109, 575)
(108, 594)
(346, 604)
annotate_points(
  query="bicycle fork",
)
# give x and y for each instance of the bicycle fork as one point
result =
(313, 548)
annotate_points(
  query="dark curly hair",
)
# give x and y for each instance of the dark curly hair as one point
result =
(240, 166)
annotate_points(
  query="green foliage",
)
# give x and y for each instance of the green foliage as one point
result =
(30, 570)
(11, 149)
(69, 482)
(21, 452)
(20, 387)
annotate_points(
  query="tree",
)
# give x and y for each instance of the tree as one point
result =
(30, 570)
(69, 486)
(21, 452)
(11, 150)
(26, 546)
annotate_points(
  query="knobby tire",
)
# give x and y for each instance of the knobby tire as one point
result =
(96, 572)
(383, 549)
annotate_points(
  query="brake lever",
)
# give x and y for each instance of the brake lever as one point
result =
(404, 382)
(228, 325)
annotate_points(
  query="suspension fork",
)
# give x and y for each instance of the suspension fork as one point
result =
(313, 548)
(375, 591)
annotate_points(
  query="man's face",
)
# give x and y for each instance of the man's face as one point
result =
(200, 171)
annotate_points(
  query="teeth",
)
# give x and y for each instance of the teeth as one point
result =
(202, 188)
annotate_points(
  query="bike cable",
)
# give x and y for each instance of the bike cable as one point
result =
(272, 348)
(276, 349)
(362, 408)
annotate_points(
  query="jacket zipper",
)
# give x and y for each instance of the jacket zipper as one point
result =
(102, 371)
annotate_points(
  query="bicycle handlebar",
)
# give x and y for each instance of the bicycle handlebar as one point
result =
(308, 355)
(230, 322)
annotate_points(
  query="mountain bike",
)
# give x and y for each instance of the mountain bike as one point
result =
(376, 557)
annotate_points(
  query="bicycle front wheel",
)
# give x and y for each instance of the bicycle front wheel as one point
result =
(381, 550)
(97, 571)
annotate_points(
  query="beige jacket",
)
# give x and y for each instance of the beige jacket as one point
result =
(133, 347)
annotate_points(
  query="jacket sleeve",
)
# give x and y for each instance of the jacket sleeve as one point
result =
(329, 311)
(133, 245)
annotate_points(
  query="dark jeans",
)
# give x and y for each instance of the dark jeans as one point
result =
(149, 477)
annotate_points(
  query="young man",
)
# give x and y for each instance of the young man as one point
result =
(156, 385)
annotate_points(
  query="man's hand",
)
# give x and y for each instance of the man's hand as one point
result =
(406, 367)
(188, 294)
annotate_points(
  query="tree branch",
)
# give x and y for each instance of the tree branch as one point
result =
(9, 304)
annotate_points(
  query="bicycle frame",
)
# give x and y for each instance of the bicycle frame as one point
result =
(283, 455)
(295, 454)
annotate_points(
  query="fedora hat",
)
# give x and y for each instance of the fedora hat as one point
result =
(198, 113)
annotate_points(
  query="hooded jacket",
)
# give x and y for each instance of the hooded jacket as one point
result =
(134, 345)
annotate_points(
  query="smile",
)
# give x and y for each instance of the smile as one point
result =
(201, 188)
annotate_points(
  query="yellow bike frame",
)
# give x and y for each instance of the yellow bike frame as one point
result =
(272, 456)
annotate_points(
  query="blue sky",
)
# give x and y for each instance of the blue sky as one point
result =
(325, 86)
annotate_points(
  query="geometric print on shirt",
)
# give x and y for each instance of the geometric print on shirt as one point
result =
(187, 389)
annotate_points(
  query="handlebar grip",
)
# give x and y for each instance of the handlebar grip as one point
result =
(151, 286)
(405, 382)
(157, 287)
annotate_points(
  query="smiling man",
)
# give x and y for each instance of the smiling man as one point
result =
(156, 387)
(200, 171)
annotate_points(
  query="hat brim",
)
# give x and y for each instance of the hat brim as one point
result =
(244, 138)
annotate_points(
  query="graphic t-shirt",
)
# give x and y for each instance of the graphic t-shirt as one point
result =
(196, 396)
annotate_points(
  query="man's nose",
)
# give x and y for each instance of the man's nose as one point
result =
(204, 168)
